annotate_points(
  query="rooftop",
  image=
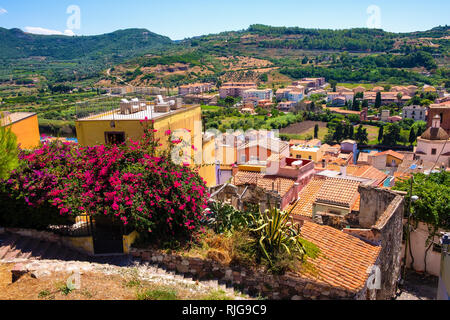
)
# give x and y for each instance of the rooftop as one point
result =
(269, 183)
(338, 191)
(274, 145)
(303, 206)
(149, 114)
(362, 171)
(343, 260)
(391, 153)
(10, 118)
(435, 134)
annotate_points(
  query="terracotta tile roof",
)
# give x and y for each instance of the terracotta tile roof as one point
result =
(357, 204)
(335, 191)
(391, 153)
(306, 198)
(343, 260)
(362, 171)
(270, 144)
(340, 192)
(280, 185)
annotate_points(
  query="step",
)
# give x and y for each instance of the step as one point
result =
(41, 248)
(16, 250)
(22, 246)
(51, 252)
(8, 245)
(29, 251)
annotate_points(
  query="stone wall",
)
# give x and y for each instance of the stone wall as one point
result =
(286, 287)
(373, 206)
(379, 223)
(387, 207)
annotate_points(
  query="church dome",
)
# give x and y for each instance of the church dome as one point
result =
(435, 134)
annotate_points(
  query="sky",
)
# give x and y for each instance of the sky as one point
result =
(179, 19)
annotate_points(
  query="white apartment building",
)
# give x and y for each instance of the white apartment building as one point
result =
(417, 113)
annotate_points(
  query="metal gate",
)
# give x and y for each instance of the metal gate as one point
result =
(107, 235)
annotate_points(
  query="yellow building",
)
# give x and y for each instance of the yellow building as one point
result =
(117, 127)
(314, 153)
(25, 126)
(388, 158)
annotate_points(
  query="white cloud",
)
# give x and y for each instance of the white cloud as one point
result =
(3, 11)
(69, 32)
(39, 30)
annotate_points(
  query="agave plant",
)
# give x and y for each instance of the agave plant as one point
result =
(277, 234)
(223, 217)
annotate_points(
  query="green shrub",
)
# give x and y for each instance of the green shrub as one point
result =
(217, 295)
(161, 294)
(8, 151)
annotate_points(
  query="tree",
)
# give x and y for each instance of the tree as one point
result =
(8, 152)
(433, 204)
(333, 84)
(351, 132)
(329, 138)
(365, 104)
(361, 135)
(229, 101)
(412, 136)
(316, 131)
(419, 127)
(264, 77)
(378, 100)
(392, 135)
(380, 134)
(338, 132)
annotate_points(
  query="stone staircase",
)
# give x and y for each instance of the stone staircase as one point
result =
(16, 248)
(38, 256)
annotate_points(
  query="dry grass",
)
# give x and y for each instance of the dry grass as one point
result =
(94, 286)
(213, 246)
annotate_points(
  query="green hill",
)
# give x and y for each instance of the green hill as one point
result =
(15, 43)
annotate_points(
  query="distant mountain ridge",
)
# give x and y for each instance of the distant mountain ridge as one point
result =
(14, 43)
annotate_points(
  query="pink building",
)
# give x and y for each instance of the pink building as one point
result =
(235, 89)
(195, 88)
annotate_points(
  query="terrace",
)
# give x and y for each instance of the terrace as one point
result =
(138, 110)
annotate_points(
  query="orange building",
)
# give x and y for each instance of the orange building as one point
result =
(25, 126)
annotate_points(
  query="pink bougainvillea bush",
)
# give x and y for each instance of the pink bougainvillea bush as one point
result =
(134, 182)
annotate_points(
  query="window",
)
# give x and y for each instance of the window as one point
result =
(433, 151)
(114, 137)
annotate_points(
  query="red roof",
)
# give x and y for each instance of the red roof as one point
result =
(343, 260)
